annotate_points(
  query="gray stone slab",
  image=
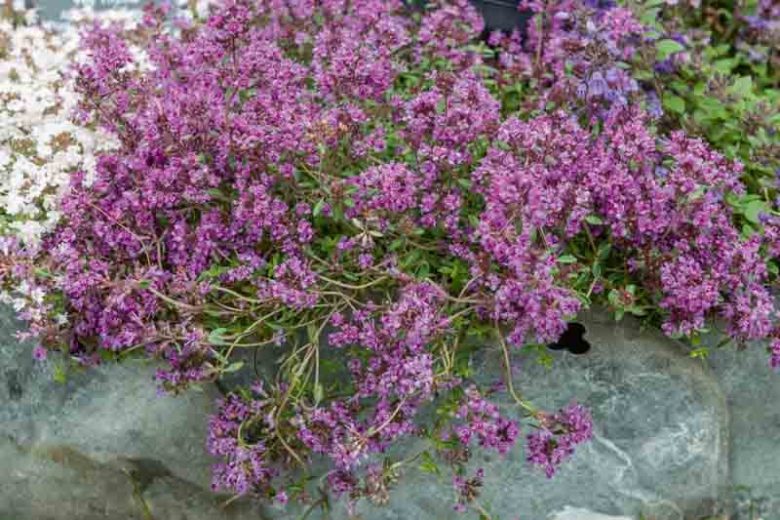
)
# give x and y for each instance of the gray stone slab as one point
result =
(105, 444)
(753, 393)
(660, 447)
(106, 412)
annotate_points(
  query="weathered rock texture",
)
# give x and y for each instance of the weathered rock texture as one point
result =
(660, 447)
(753, 393)
(104, 445)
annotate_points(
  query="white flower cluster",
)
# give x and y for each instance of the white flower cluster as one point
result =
(39, 144)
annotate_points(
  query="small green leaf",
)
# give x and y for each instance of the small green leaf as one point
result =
(674, 103)
(43, 273)
(753, 209)
(747, 231)
(696, 194)
(666, 48)
(218, 195)
(318, 207)
(742, 86)
(216, 337)
(234, 367)
(650, 17)
(319, 393)
(604, 250)
(594, 220)
(567, 259)
(428, 465)
(614, 298)
(465, 183)
(643, 75)
(544, 359)
(395, 244)
(213, 272)
(724, 65)
(144, 284)
(59, 375)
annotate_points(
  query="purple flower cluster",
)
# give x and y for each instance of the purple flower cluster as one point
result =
(467, 489)
(557, 437)
(774, 354)
(765, 21)
(236, 434)
(295, 171)
(663, 203)
(397, 374)
(448, 28)
(484, 423)
(391, 188)
(578, 51)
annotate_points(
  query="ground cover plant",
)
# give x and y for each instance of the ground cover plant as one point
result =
(330, 207)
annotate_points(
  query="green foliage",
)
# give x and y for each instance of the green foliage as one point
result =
(725, 86)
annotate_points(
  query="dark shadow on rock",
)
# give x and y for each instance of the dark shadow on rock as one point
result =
(573, 339)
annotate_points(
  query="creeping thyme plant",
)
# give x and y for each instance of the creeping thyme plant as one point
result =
(329, 207)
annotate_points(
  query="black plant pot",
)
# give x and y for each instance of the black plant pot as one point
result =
(502, 15)
(499, 15)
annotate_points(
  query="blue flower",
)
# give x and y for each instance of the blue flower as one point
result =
(597, 86)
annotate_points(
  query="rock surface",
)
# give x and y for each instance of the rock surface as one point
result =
(660, 447)
(104, 445)
(753, 393)
(573, 513)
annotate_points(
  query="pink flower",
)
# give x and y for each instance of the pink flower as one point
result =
(39, 353)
